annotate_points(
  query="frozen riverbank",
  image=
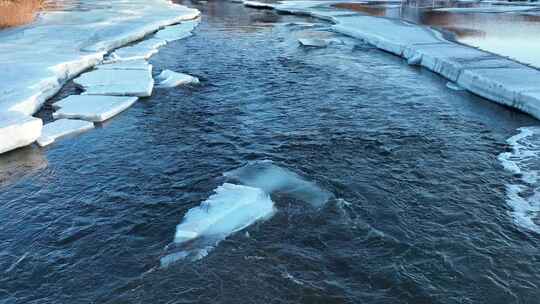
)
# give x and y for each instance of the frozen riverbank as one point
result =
(36, 60)
(491, 76)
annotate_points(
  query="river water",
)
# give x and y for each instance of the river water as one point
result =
(418, 212)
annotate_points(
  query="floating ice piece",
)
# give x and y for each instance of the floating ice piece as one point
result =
(142, 50)
(454, 86)
(127, 65)
(61, 128)
(524, 197)
(117, 82)
(415, 60)
(230, 209)
(257, 4)
(271, 178)
(169, 79)
(313, 42)
(92, 107)
(178, 31)
(18, 130)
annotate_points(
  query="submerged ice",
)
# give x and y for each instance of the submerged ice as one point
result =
(170, 79)
(272, 178)
(230, 209)
(524, 196)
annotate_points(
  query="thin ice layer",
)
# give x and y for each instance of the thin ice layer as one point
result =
(230, 209)
(272, 178)
(142, 50)
(18, 130)
(92, 108)
(117, 82)
(169, 79)
(61, 128)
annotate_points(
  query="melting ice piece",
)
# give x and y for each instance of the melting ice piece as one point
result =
(230, 209)
(178, 31)
(139, 64)
(18, 130)
(524, 197)
(454, 86)
(142, 50)
(313, 42)
(169, 79)
(92, 108)
(271, 178)
(61, 128)
(117, 82)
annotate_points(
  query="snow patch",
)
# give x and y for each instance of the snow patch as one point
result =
(92, 108)
(170, 79)
(230, 209)
(60, 128)
(522, 160)
(272, 178)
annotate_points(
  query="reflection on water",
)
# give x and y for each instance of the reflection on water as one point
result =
(515, 35)
(21, 162)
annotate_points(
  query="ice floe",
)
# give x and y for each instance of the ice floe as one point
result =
(178, 31)
(522, 160)
(272, 178)
(117, 82)
(60, 128)
(169, 79)
(40, 57)
(18, 130)
(314, 42)
(94, 108)
(230, 209)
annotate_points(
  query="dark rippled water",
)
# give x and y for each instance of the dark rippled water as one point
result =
(418, 214)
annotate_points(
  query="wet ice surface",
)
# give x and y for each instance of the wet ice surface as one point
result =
(420, 213)
(170, 79)
(96, 108)
(60, 128)
(230, 209)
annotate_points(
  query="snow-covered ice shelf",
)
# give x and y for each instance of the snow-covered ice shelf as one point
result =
(92, 107)
(18, 130)
(491, 76)
(60, 128)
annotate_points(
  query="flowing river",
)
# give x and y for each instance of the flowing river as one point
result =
(421, 191)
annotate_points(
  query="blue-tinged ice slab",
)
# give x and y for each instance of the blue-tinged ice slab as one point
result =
(92, 108)
(127, 65)
(61, 128)
(230, 209)
(141, 50)
(178, 31)
(116, 82)
(18, 130)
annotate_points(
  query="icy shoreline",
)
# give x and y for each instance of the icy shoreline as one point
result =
(38, 59)
(491, 76)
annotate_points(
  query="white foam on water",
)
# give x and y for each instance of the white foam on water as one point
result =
(230, 209)
(524, 161)
(272, 178)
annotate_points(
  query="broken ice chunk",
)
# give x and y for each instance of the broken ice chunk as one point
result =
(18, 130)
(61, 128)
(169, 79)
(178, 31)
(230, 209)
(117, 82)
(313, 42)
(92, 108)
(142, 50)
